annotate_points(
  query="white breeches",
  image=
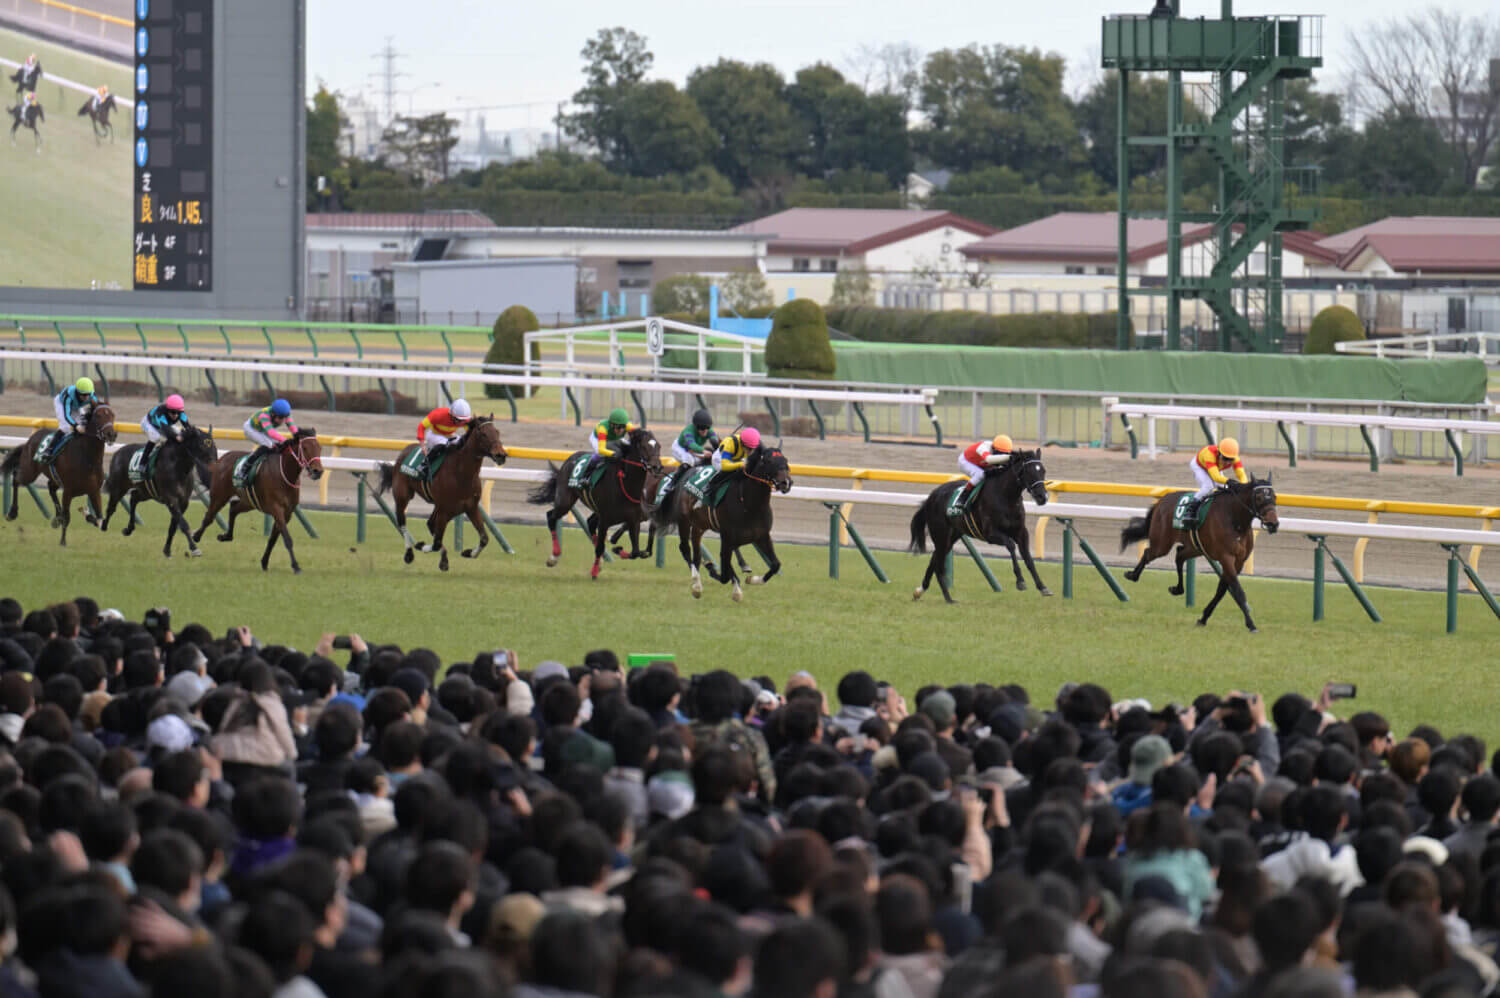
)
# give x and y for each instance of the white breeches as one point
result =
(257, 437)
(1205, 483)
(435, 440)
(683, 455)
(152, 433)
(62, 419)
(974, 471)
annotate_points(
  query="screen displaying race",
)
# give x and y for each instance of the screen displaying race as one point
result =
(110, 156)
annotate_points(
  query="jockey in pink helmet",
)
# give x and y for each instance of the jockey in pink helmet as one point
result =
(735, 449)
(166, 421)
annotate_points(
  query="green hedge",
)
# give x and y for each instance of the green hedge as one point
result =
(1335, 324)
(1040, 329)
(798, 346)
(508, 344)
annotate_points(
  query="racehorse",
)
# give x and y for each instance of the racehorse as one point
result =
(275, 490)
(99, 117)
(742, 517)
(453, 490)
(616, 499)
(1226, 536)
(78, 469)
(995, 515)
(24, 115)
(179, 465)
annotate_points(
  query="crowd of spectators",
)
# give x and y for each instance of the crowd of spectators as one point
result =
(185, 814)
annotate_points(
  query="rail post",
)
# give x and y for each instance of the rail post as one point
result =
(1190, 582)
(1349, 580)
(1069, 531)
(51, 385)
(1452, 601)
(98, 370)
(661, 551)
(813, 407)
(228, 346)
(859, 410)
(640, 410)
(270, 345)
(1318, 579)
(775, 417)
(1067, 558)
(1458, 454)
(1203, 425)
(494, 530)
(138, 331)
(328, 393)
(510, 397)
(161, 393)
(390, 400)
(937, 426)
(264, 378)
(188, 347)
(1364, 431)
(833, 540)
(583, 525)
(1455, 562)
(213, 385)
(306, 525)
(835, 518)
(1135, 447)
(443, 387)
(573, 401)
(984, 568)
(1291, 443)
(359, 507)
(100, 333)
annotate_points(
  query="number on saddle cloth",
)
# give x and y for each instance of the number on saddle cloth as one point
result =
(1178, 513)
(245, 470)
(696, 483)
(415, 467)
(138, 470)
(582, 477)
(961, 499)
(45, 451)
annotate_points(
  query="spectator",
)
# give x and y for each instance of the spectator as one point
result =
(1323, 816)
(1149, 754)
(1164, 847)
(255, 735)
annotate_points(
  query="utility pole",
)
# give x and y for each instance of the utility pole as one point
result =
(387, 75)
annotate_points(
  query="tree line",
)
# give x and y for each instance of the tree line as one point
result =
(1417, 125)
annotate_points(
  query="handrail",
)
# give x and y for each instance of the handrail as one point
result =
(70, 8)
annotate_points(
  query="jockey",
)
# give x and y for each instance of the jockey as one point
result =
(1209, 466)
(73, 405)
(270, 427)
(165, 421)
(445, 426)
(610, 430)
(977, 458)
(734, 450)
(697, 440)
(28, 74)
(100, 96)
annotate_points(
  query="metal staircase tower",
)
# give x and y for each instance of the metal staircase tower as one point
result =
(1235, 112)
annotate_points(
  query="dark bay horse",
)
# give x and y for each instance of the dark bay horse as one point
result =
(179, 465)
(99, 117)
(275, 490)
(616, 499)
(453, 491)
(743, 517)
(1226, 536)
(995, 515)
(78, 469)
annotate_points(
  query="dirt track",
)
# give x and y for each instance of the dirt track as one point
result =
(887, 527)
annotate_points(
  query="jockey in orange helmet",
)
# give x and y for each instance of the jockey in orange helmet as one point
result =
(1210, 465)
(977, 458)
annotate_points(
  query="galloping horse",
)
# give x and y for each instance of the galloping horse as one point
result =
(78, 469)
(275, 490)
(615, 499)
(453, 490)
(179, 465)
(99, 117)
(995, 515)
(1226, 536)
(742, 517)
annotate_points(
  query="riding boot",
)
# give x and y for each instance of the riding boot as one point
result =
(257, 454)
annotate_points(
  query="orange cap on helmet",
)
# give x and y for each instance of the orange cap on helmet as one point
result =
(1229, 447)
(1002, 443)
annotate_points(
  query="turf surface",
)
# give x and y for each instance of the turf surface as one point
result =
(1407, 668)
(67, 208)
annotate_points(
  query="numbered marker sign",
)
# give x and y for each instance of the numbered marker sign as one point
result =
(656, 340)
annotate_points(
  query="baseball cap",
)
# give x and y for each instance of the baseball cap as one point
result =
(169, 732)
(189, 687)
(1147, 755)
(940, 707)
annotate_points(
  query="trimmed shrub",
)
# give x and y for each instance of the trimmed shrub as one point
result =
(1335, 324)
(681, 293)
(798, 346)
(1040, 329)
(508, 343)
(745, 291)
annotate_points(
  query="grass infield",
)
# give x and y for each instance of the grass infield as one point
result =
(1406, 667)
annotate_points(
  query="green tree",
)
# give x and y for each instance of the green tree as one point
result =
(1098, 116)
(324, 122)
(751, 120)
(508, 342)
(743, 290)
(1334, 324)
(1312, 121)
(662, 131)
(1002, 106)
(422, 146)
(853, 285)
(1401, 152)
(798, 346)
(680, 293)
(616, 61)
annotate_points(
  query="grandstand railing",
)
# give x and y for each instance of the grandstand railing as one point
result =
(1485, 345)
(840, 504)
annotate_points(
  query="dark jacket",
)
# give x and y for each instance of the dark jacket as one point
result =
(65, 974)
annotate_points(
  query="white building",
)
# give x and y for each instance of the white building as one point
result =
(884, 241)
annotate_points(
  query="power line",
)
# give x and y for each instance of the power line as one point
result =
(388, 74)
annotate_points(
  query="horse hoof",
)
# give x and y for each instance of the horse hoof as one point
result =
(1253, 629)
(296, 569)
(737, 595)
(755, 580)
(409, 557)
(1020, 586)
(165, 553)
(195, 552)
(594, 572)
(1133, 576)
(1044, 591)
(443, 565)
(552, 562)
(697, 590)
(265, 566)
(467, 553)
(1202, 622)
(226, 537)
(1175, 590)
(916, 594)
(127, 531)
(56, 522)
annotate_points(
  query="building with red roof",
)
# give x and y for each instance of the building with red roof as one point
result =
(883, 240)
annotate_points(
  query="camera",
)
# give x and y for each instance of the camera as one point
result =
(1341, 691)
(158, 618)
(501, 658)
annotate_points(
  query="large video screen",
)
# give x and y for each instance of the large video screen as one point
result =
(108, 175)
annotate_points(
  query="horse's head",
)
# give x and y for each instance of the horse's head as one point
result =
(486, 436)
(1031, 474)
(200, 443)
(308, 452)
(768, 464)
(643, 446)
(102, 423)
(1263, 503)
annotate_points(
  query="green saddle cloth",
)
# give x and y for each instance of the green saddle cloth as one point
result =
(245, 470)
(139, 469)
(580, 477)
(416, 467)
(696, 483)
(1178, 523)
(962, 498)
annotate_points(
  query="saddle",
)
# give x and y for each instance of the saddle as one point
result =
(44, 453)
(423, 467)
(1199, 518)
(586, 474)
(699, 483)
(961, 499)
(247, 467)
(142, 470)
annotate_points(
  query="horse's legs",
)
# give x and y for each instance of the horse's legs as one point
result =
(1182, 559)
(597, 530)
(114, 501)
(438, 524)
(265, 559)
(472, 510)
(286, 538)
(96, 508)
(216, 501)
(553, 515)
(1225, 574)
(1232, 574)
(767, 551)
(1023, 540)
(179, 514)
(403, 497)
(727, 574)
(932, 563)
(64, 514)
(233, 512)
(695, 548)
(56, 505)
(939, 565)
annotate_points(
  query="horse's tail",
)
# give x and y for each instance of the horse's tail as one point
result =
(387, 478)
(12, 461)
(919, 530)
(545, 494)
(1138, 529)
(204, 470)
(661, 510)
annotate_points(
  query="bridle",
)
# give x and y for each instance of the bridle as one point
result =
(96, 426)
(304, 463)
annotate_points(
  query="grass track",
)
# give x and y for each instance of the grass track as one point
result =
(72, 201)
(1406, 668)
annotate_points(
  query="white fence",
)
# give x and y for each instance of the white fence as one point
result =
(1486, 346)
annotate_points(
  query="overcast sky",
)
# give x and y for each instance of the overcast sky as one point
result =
(461, 53)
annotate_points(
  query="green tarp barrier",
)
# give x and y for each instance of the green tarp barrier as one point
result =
(1456, 381)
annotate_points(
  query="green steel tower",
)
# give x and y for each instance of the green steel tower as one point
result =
(1236, 114)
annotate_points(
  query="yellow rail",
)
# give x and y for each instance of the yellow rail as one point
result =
(71, 9)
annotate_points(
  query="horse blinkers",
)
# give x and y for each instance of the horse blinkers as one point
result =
(1265, 507)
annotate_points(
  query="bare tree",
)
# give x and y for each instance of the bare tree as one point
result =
(1441, 65)
(893, 68)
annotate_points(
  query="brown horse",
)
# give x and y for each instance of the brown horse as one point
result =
(78, 469)
(1227, 536)
(275, 490)
(454, 490)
